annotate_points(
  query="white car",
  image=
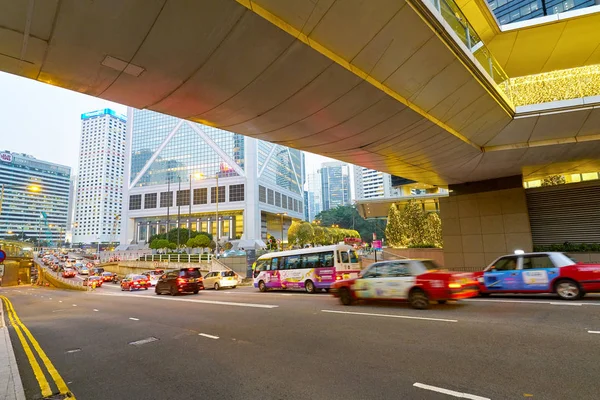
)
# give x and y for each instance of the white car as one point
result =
(153, 279)
(220, 279)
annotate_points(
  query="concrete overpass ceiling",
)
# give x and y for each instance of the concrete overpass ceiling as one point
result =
(370, 85)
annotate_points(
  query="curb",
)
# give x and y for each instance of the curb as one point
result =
(17, 385)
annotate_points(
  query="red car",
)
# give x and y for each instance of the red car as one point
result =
(134, 281)
(550, 272)
(108, 276)
(418, 281)
(68, 273)
(89, 281)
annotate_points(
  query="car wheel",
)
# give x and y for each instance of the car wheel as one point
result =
(173, 291)
(567, 289)
(196, 291)
(309, 286)
(233, 287)
(217, 287)
(346, 297)
(146, 288)
(122, 288)
(418, 299)
(442, 301)
(157, 292)
(262, 287)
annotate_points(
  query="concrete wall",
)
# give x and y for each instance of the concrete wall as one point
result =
(135, 267)
(479, 227)
(15, 269)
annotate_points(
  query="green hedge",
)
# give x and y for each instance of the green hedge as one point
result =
(570, 247)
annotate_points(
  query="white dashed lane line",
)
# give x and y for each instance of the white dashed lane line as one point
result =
(208, 336)
(594, 332)
(134, 319)
(449, 392)
(95, 309)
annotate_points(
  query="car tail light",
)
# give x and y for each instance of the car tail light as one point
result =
(181, 280)
(454, 285)
(338, 278)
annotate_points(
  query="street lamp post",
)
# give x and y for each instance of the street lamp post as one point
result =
(217, 216)
(178, 213)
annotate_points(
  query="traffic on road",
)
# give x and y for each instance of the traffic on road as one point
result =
(198, 334)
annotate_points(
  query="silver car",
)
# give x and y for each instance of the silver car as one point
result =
(220, 279)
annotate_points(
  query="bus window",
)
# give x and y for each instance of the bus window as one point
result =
(274, 263)
(345, 258)
(293, 262)
(310, 261)
(327, 259)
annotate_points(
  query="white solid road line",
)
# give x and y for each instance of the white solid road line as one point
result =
(208, 336)
(222, 303)
(390, 316)
(449, 392)
(554, 303)
(134, 319)
(593, 331)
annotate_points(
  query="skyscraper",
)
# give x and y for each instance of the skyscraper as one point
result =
(313, 185)
(100, 181)
(34, 198)
(372, 184)
(335, 184)
(507, 11)
(258, 181)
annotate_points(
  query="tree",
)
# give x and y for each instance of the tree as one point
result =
(412, 226)
(300, 233)
(319, 235)
(202, 241)
(347, 217)
(171, 246)
(554, 180)
(228, 246)
(191, 243)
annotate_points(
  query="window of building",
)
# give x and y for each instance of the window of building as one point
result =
(201, 196)
(150, 200)
(236, 192)
(135, 202)
(277, 199)
(262, 194)
(290, 205)
(284, 200)
(183, 197)
(213, 194)
(166, 199)
(270, 196)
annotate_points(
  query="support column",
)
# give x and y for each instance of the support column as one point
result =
(252, 215)
(484, 220)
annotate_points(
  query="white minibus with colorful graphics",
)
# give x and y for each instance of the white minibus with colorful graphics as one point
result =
(310, 269)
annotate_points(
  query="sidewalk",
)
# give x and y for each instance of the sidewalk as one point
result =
(11, 387)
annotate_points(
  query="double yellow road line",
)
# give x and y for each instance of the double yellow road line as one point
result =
(23, 332)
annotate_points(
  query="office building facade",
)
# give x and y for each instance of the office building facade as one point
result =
(314, 205)
(34, 199)
(335, 184)
(507, 11)
(99, 193)
(172, 174)
(372, 184)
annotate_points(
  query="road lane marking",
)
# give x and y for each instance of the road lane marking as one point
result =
(554, 303)
(566, 304)
(134, 319)
(95, 309)
(208, 336)
(58, 380)
(144, 341)
(74, 305)
(62, 309)
(449, 392)
(222, 303)
(389, 316)
(72, 351)
(60, 301)
(593, 331)
(35, 366)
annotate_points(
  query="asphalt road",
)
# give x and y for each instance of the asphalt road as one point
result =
(242, 344)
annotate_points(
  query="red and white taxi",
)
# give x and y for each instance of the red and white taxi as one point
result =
(418, 281)
(550, 272)
(135, 281)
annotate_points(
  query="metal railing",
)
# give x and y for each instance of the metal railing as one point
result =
(183, 258)
(456, 19)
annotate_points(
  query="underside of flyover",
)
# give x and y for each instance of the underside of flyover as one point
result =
(377, 83)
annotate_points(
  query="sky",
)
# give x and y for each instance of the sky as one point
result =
(45, 121)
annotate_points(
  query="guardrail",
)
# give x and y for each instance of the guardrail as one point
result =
(195, 258)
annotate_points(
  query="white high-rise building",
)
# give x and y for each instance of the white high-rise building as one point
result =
(313, 186)
(372, 184)
(100, 181)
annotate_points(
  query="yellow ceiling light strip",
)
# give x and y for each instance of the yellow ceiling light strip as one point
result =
(280, 23)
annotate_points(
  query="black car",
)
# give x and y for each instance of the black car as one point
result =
(180, 281)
